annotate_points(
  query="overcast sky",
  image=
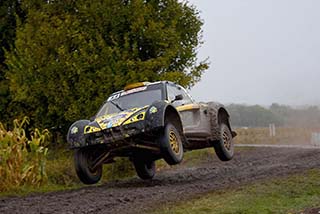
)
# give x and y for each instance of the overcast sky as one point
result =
(261, 51)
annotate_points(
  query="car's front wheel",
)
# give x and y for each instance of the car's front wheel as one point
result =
(145, 169)
(171, 145)
(224, 147)
(83, 161)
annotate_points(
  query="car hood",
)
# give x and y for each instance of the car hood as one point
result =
(113, 120)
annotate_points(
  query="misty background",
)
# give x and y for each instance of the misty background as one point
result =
(261, 52)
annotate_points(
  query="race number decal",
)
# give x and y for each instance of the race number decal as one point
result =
(118, 95)
(114, 97)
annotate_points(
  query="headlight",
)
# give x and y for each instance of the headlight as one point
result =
(91, 128)
(135, 117)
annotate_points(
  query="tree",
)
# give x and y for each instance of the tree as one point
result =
(252, 116)
(10, 11)
(70, 55)
(303, 116)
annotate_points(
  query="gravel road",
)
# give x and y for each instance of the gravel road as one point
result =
(169, 186)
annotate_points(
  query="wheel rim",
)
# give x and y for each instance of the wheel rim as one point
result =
(174, 142)
(226, 140)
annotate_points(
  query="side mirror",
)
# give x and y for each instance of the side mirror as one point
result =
(178, 97)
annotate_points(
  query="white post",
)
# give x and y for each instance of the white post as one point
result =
(272, 130)
(315, 139)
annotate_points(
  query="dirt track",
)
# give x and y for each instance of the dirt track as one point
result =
(136, 196)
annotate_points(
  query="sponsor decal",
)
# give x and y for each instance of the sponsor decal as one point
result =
(109, 125)
(113, 120)
(153, 110)
(74, 130)
(133, 90)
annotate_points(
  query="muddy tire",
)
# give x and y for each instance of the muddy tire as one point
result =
(83, 161)
(224, 147)
(145, 169)
(171, 145)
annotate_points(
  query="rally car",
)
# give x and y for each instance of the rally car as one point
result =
(146, 122)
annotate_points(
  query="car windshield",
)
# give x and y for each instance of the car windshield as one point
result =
(117, 103)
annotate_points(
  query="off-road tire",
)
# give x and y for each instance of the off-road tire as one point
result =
(171, 145)
(83, 163)
(224, 147)
(145, 169)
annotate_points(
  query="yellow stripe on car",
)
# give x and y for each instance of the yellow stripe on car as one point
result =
(188, 107)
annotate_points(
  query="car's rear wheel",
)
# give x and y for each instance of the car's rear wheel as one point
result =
(171, 145)
(145, 169)
(83, 161)
(224, 147)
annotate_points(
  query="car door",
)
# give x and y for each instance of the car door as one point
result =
(193, 115)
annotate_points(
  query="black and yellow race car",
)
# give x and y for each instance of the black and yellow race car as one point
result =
(147, 122)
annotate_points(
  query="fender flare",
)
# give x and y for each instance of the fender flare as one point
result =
(157, 115)
(75, 136)
(218, 114)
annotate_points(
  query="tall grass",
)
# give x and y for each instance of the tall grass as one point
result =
(22, 160)
(284, 135)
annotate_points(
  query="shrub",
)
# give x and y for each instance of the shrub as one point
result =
(60, 168)
(22, 160)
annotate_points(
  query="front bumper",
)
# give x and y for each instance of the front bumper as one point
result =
(116, 136)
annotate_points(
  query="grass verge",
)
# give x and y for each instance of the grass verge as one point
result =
(282, 195)
(62, 176)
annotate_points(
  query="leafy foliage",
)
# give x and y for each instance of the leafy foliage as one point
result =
(10, 11)
(70, 55)
(22, 161)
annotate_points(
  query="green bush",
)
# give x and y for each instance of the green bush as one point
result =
(22, 160)
(60, 168)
